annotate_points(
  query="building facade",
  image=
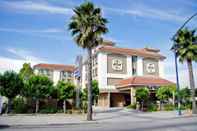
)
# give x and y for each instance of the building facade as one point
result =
(119, 71)
(55, 72)
(112, 66)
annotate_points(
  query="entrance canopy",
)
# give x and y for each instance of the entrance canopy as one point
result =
(143, 81)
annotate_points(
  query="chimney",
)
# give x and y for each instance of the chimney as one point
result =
(108, 43)
(152, 50)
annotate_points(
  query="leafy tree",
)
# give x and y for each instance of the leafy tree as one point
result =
(26, 71)
(39, 87)
(185, 94)
(10, 86)
(66, 91)
(87, 27)
(95, 92)
(186, 49)
(142, 95)
(164, 93)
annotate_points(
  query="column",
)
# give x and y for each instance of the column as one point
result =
(108, 99)
(132, 95)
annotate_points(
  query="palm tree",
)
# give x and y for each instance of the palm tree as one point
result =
(87, 27)
(186, 49)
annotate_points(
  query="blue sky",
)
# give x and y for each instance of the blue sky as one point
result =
(36, 30)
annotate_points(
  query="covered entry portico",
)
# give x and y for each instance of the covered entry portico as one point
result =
(129, 85)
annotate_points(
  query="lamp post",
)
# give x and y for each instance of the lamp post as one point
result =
(177, 85)
(176, 65)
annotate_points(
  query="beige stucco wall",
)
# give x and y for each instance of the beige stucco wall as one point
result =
(113, 81)
(155, 62)
(110, 57)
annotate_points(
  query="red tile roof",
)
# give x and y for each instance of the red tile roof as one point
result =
(144, 81)
(69, 68)
(145, 52)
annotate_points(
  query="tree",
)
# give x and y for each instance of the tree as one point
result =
(39, 87)
(164, 93)
(186, 49)
(95, 92)
(142, 95)
(87, 27)
(26, 71)
(66, 91)
(10, 86)
(185, 94)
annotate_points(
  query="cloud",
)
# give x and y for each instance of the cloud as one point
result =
(53, 33)
(13, 64)
(182, 70)
(31, 6)
(24, 54)
(148, 12)
(48, 30)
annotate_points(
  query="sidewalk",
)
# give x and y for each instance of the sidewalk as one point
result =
(42, 120)
(100, 116)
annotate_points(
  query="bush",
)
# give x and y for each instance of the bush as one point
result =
(186, 106)
(132, 106)
(168, 107)
(19, 105)
(151, 107)
(48, 109)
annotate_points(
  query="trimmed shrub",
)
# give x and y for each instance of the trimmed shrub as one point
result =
(151, 107)
(19, 105)
(132, 106)
(48, 109)
(168, 107)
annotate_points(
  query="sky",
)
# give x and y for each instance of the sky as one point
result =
(36, 31)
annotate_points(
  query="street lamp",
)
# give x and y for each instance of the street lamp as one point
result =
(176, 65)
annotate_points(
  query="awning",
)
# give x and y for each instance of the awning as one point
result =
(143, 81)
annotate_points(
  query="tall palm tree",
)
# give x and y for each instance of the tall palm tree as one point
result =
(87, 27)
(186, 49)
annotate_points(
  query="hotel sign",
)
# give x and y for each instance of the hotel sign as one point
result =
(117, 64)
(150, 67)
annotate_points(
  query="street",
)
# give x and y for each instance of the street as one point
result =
(122, 120)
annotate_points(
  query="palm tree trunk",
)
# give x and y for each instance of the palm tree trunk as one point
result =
(192, 86)
(64, 106)
(37, 105)
(89, 112)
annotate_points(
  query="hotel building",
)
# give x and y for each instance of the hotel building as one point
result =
(55, 72)
(119, 71)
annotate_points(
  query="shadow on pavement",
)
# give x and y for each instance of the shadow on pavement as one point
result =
(163, 127)
(4, 126)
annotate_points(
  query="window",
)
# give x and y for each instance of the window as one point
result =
(134, 65)
(96, 62)
(96, 72)
(46, 72)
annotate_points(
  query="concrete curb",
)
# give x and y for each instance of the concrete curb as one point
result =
(47, 125)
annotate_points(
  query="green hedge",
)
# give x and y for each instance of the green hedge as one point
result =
(48, 109)
(169, 107)
(19, 105)
(132, 106)
(151, 107)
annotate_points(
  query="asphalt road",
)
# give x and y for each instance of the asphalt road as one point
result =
(122, 123)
